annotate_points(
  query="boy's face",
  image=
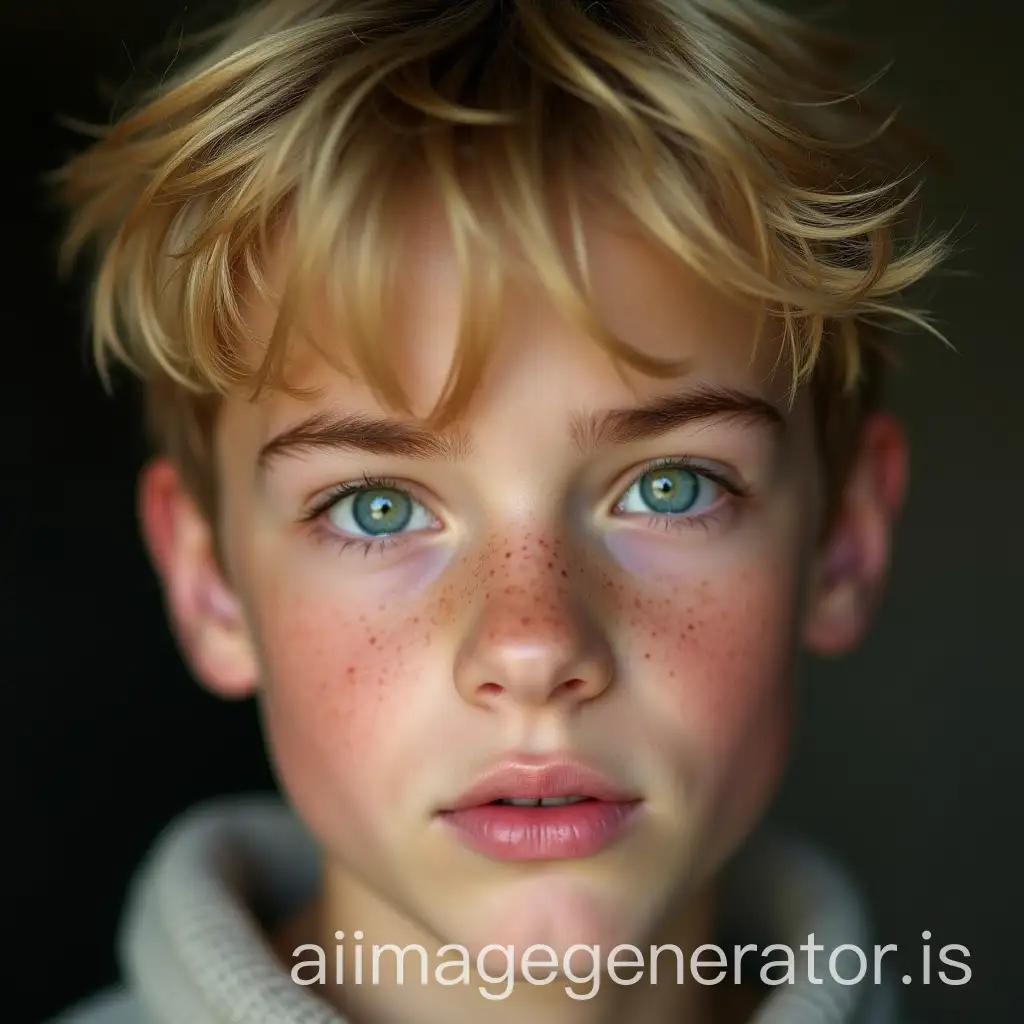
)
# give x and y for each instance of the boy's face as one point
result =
(602, 569)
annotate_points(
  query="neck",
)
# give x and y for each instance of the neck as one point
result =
(454, 994)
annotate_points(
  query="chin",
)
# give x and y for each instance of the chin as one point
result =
(557, 913)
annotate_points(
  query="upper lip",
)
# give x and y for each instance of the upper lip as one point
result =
(522, 779)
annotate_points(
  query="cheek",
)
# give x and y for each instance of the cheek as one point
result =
(340, 660)
(713, 648)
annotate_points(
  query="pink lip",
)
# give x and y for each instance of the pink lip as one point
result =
(565, 832)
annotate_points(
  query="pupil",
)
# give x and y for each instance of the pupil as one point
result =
(671, 491)
(379, 512)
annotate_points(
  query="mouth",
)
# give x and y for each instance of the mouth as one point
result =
(529, 811)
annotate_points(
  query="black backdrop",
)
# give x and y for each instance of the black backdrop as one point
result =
(908, 762)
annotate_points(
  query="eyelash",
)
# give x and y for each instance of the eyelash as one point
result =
(704, 520)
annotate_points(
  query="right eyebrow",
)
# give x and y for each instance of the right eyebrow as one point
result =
(324, 431)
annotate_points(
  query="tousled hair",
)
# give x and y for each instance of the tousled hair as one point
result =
(723, 130)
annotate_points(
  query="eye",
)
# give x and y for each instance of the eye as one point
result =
(373, 512)
(671, 491)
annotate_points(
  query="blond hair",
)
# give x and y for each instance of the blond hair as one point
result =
(720, 129)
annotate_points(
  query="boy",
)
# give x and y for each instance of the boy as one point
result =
(590, 300)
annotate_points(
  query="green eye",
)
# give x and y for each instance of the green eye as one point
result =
(378, 512)
(670, 491)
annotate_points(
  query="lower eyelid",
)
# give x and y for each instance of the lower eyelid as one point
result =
(725, 506)
(682, 521)
(323, 533)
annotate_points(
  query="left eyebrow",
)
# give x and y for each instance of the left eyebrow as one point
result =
(671, 412)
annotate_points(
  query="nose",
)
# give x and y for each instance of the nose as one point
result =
(532, 646)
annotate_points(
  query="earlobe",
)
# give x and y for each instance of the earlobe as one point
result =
(838, 615)
(850, 573)
(205, 615)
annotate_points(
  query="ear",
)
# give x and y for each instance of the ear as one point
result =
(850, 571)
(205, 615)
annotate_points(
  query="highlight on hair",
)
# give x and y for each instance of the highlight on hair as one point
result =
(720, 129)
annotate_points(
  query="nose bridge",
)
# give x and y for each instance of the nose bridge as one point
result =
(527, 595)
(531, 637)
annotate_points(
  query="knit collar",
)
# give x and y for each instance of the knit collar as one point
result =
(193, 951)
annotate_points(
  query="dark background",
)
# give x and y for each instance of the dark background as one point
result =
(908, 763)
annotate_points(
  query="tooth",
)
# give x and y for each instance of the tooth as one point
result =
(550, 801)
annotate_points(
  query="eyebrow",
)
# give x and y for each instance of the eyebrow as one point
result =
(672, 412)
(324, 431)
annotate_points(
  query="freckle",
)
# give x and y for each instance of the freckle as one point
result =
(373, 639)
(525, 621)
(508, 554)
(551, 565)
(690, 628)
(647, 656)
(565, 574)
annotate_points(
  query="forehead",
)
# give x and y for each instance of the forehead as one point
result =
(641, 296)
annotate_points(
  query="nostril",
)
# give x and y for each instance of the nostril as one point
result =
(573, 684)
(490, 689)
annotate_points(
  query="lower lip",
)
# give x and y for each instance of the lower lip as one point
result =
(564, 832)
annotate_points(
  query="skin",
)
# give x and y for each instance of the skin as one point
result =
(534, 613)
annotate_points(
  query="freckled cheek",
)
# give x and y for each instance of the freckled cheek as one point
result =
(339, 639)
(714, 660)
(338, 687)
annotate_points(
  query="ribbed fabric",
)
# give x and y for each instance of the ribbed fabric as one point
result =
(193, 951)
